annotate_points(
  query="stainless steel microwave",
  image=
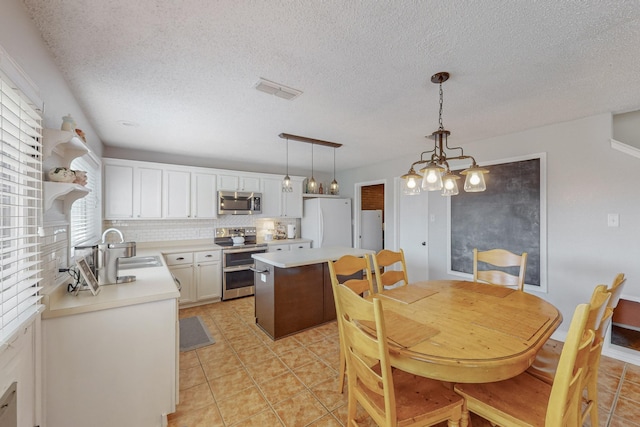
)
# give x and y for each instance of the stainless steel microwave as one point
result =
(239, 203)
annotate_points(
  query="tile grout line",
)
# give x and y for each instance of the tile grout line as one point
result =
(277, 356)
(616, 396)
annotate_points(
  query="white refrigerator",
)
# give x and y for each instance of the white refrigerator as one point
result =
(327, 222)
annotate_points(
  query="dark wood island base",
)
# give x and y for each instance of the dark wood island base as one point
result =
(289, 300)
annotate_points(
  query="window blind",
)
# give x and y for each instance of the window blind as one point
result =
(85, 212)
(21, 208)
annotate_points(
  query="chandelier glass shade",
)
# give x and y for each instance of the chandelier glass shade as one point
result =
(312, 185)
(436, 175)
(286, 182)
(334, 188)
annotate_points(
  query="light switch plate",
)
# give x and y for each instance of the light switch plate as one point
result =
(613, 220)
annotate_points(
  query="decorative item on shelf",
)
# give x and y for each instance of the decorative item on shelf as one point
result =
(61, 174)
(320, 189)
(81, 135)
(436, 175)
(81, 177)
(68, 123)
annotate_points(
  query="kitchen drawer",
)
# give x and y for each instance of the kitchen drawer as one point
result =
(206, 256)
(277, 248)
(180, 258)
(303, 245)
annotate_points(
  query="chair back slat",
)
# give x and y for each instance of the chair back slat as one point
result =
(500, 258)
(349, 265)
(386, 258)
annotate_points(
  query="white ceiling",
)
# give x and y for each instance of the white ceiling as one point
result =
(185, 72)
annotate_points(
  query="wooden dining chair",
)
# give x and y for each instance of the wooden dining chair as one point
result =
(545, 364)
(500, 258)
(342, 272)
(528, 401)
(386, 258)
(390, 396)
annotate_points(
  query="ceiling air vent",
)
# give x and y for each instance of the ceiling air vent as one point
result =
(277, 89)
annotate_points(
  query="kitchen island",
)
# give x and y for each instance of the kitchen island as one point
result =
(293, 289)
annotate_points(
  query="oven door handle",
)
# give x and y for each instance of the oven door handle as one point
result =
(236, 268)
(255, 270)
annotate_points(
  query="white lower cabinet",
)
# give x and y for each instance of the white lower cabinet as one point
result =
(112, 367)
(199, 274)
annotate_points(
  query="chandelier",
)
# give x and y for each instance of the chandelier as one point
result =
(312, 185)
(436, 175)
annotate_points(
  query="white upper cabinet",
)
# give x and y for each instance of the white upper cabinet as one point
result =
(238, 182)
(132, 190)
(275, 203)
(203, 195)
(177, 192)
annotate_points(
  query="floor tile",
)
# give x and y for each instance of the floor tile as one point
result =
(327, 421)
(194, 398)
(230, 384)
(627, 409)
(328, 394)
(191, 377)
(267, 370)
(297, 357)
(314, 373)
(189, 359)
(300, 410)
(255, 355)
(240, 406)
(203, 417)
(222, 366)
(281, 387)
(263, 419)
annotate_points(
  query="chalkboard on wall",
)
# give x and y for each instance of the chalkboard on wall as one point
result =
(508, 215)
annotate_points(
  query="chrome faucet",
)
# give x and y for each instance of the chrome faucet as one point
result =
(108, 258)
(112, 230)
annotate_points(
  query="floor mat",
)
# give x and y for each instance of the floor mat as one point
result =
(194, 334)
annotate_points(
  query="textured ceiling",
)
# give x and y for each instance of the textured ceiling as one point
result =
(185, 71)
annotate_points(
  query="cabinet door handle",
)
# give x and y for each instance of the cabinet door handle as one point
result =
(208, 256)
(180, 258)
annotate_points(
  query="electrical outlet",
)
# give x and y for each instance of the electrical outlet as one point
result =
(613, 220)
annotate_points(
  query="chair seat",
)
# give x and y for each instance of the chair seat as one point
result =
(418, 399)
(521, 400)
(545, 364)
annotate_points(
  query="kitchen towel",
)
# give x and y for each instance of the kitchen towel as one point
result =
(194, 334)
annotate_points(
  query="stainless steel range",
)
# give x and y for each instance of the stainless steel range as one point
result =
(237, 276)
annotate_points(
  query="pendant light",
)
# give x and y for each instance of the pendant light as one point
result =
(312, 185)
(334, 188)
(436, 175)
(286, 182)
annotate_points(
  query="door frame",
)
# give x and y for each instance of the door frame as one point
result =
(357, 207)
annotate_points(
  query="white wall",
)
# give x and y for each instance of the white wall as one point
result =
(582, 250)
(22, 41)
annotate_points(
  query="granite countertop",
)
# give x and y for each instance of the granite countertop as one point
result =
(301, 257)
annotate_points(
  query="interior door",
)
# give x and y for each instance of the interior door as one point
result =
(412, 233)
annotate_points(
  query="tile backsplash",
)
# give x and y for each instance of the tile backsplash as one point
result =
(191, 229)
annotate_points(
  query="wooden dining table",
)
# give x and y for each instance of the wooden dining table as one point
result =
(465, 332)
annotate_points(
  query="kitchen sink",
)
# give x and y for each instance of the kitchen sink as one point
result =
(139, 262)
